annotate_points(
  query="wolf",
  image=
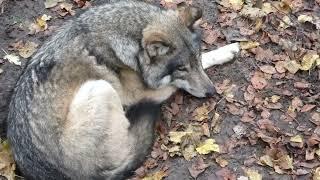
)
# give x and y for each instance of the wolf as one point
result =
(86, 104)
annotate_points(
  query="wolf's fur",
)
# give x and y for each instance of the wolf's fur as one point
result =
(66, 117)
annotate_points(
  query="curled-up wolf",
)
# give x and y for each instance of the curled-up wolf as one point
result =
(86, 105)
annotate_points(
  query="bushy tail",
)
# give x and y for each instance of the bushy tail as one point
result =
(142, 117)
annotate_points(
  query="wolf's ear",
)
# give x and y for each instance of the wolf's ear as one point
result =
(155, 43)
(188, 14)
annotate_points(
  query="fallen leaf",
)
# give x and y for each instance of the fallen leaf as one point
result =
(249, 44)
(175, 150)
(225, 174)
(252, 12)
(159, 175)
(275, 98)
(296, 139)
(258, 82)
(40, 24)
(268, 8)
(176, 136)
(233, 4)
(253, 174)
(286, 22)
(316, 174)
(197, 168)
(207, 147)
(308, 61)
(268, 69)
(222, 162)
(307, 107)
(51, 3)
(66, 8)
(280, 67)
(28, 49)
(13, 59)
(7, 165)
(210, 36)
(305, 18)
(315, 118)
(189, 152)
(292, 66)
(201, 113)
(263, 55)
(266, 160)
(301, 85)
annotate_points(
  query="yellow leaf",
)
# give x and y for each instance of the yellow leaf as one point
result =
(275, 98)
(318, 152)
(266, 160)
(249, 44)
(13, 59)
(207, 147)
(292, 66)
(296, 139)
(305, 18)
(236, 4)
(316, 174)
(175, 136)
(253, 174)
(308, 61)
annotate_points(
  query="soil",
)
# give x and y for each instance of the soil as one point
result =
(18, 14)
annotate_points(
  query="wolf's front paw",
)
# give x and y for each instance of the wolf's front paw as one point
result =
(228, 52)
(220, 56)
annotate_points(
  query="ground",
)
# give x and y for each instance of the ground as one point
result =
(264, 120)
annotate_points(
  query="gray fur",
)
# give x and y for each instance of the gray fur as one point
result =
(66, 117)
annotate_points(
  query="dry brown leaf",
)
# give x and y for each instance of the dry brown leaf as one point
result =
(159, 175)
(258, 82)
(7, 165)
(197, 168)
(222, 162)
(252, 12)
(210, 36)
(307, 107)
(51, 3)
(268, 69)
(233, 4)
(280, 67)
(28, 49)
(201, 113)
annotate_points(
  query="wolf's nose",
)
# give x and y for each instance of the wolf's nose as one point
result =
(210, 91)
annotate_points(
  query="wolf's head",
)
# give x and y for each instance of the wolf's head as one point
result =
(171, 53)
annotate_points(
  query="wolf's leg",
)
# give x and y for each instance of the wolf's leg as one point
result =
(96, 129)
(219, 56)
(99, 136)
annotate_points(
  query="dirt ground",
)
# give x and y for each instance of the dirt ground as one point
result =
(263, 108)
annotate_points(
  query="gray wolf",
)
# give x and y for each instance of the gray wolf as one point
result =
(86, 104)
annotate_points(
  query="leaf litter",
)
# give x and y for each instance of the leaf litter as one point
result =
(271, 104)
